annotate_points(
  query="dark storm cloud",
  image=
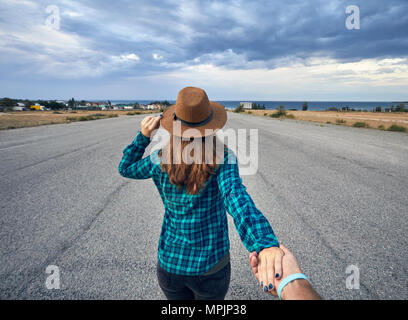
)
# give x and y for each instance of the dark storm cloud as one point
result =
(233, 34)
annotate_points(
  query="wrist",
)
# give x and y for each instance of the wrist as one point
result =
(146, 135)
(294, 286)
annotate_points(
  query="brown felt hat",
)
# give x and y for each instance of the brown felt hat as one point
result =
(193, 110)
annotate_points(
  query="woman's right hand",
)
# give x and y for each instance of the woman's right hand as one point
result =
(289, 266)
(149, 124)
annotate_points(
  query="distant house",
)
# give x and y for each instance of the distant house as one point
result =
(128, 107)
(153, 106)
(246, 105)
(19, 108)
(37, 107)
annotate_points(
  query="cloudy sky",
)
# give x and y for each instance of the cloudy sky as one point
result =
(234, 49)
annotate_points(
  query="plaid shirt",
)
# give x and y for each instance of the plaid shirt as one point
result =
(194, 234)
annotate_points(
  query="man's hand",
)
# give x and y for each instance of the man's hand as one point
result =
(295, 290)
(149, 124)
(270, 268)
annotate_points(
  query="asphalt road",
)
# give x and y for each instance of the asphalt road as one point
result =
(336, 196)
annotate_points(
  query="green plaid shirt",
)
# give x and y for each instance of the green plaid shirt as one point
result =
(194, 234)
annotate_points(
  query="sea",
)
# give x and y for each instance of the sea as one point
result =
(270, 105)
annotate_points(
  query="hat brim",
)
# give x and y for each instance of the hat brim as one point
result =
(218, 121)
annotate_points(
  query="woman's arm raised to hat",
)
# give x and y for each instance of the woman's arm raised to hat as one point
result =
(132, 165)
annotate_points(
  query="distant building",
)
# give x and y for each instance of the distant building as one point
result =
(19, 108)
(247, 105)
(152, 107)
(128, 107)
(37, 107)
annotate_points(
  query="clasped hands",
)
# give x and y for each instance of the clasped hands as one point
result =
(271, 266)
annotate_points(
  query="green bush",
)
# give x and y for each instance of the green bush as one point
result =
(340, 121)
(132, 113)
(91, 117)
(239, 109)
(360, 125)
(397, 128)
(281, 113)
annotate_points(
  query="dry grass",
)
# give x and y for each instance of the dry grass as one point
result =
(371, 119)
(18, 119)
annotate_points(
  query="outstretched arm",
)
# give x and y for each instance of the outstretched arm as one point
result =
(252, 226)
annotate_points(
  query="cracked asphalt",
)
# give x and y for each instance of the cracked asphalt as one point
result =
(337, 196)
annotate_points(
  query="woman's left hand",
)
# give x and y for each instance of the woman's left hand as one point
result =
(269, 268)
(149, 124)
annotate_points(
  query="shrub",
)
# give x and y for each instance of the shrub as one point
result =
(360, 125)
(281, 112)
(381, 127)
(340, 121)
(239, 109)
(332, 109)
(57, 112)
(397, 128)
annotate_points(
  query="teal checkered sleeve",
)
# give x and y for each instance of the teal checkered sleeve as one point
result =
(252, 226)
(132, 165)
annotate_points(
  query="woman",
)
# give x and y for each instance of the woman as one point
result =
(196, 189)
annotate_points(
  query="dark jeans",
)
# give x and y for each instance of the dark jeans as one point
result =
(211, 287)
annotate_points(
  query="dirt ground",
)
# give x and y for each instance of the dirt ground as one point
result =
(21, 119)
(373, 119)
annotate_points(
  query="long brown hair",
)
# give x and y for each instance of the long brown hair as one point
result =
(204, 161)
